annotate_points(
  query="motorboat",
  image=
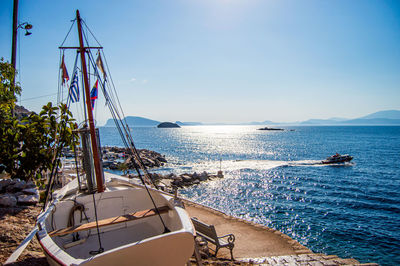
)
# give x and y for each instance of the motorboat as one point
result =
(337, 158)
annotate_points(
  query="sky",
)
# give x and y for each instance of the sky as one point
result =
(227, 61)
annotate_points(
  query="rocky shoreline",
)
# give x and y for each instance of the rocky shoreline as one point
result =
(116, 158)
(171, 181)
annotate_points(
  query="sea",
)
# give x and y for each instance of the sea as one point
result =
(276, 178)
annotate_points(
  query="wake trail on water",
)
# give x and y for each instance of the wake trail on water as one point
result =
(237, 165)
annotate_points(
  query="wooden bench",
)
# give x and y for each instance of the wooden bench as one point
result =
(208, 233)
(110, 221)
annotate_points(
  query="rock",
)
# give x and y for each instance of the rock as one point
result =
(30, 184)
(203, 177)
(19, 193)
(30, 191)
(15, 181)
(162, 159)
(177, 182)
(5, 182)
(168, 125)
(20, 185)
(16, 185)
(171, 176)
(28, 199)
(186, 178)
(166, 182)
(8, 200)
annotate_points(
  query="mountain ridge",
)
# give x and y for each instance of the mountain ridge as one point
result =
(387, 117)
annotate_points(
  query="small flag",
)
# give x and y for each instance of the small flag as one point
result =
(100, 65)
(94, 93)
(65, 76)
(74, 88)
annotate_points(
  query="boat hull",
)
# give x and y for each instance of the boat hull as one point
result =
(173, 249)
(135, 242)
(338, 160)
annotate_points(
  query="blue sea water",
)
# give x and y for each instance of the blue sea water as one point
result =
(275, 178)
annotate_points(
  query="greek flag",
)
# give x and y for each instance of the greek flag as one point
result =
(74, 88)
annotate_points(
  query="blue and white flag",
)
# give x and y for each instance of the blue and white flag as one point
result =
(74, 88)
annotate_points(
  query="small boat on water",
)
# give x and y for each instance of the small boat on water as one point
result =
(271, 129)
(337, 158)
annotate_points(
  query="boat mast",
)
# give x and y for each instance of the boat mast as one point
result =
(95, 149)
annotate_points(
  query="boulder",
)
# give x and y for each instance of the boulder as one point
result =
(30, 184)
(16, 185)
(166, 182)
(186, 178)
(171, 176)
(30, 191)
(5, 182)
(8, 200)
(162, 159)
(177, 182)
(28, 199)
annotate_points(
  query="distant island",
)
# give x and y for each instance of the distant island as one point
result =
(137, 121)
(168, 125)
(271, 128)
(389, 117)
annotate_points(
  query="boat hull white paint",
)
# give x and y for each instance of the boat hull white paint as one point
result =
(139, 242)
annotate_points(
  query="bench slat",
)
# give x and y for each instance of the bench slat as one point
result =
(110, 221)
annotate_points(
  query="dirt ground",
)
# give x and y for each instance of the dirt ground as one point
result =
(15, 224)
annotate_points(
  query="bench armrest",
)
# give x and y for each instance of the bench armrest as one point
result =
(230, 238)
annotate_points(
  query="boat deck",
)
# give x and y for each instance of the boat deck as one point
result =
(111, 239)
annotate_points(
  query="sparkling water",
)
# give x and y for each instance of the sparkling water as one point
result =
(276, 178)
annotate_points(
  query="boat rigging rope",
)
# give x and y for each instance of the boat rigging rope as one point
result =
(101, 249)
(127, 138)
(72, 24)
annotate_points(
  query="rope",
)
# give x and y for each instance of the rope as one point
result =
(101, 249)
(128, 141)
(73, 22)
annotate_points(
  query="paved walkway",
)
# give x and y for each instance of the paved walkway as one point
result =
(260, 245)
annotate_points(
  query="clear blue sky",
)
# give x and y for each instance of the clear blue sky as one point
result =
(223, 60)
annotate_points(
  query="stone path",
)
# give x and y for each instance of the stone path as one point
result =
(306, 259)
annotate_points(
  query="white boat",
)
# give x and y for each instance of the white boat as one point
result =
(129, 241)
(337, 158)
(105, 219)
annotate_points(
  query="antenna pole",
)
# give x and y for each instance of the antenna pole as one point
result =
(95, 150)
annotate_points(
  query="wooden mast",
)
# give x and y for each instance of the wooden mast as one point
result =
(95, 149)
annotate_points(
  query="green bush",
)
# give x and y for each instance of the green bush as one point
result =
(28, 146)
